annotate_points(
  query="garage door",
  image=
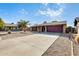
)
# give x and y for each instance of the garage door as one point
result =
(55, 28)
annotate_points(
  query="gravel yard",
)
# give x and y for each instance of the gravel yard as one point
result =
(61, 47)
(76, 49)
(15, 34)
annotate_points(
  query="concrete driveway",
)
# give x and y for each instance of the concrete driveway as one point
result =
(32, 45)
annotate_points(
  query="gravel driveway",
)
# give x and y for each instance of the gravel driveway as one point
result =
(61, 47)
(76, 49)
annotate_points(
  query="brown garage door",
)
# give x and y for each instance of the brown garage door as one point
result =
(55, 28)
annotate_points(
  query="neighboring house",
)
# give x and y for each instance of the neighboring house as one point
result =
(55, 26)
(10, 26)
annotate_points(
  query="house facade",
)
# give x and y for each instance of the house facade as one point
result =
(55, 26)
(10, 26)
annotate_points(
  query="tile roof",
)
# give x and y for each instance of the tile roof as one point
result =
(52, 23)
(8, 24)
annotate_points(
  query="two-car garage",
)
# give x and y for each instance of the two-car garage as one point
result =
(58, 27)
(55, 28)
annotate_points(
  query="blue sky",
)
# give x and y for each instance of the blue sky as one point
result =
(39, 12)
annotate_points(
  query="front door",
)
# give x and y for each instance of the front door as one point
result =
(43, 28)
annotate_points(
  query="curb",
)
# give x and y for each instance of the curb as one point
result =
(72, 50)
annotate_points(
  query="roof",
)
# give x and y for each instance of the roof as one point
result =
(8, 24)
(52, 23)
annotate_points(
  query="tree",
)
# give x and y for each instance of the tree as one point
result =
(1, 24)
(22, 24)
(75, 22)
(54, 21)
(70, 29)
(44, 22)
(12, 23)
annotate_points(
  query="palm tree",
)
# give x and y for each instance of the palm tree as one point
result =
(22, 24)
(1, 24)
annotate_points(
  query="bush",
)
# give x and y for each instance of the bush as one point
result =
(70, 29)
(9, 31)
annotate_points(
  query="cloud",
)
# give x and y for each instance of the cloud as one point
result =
(51, 12)
(22, 14)
(45, 4)
(23, 11)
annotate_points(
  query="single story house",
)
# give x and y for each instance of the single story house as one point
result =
(55, 26)
(10, 26)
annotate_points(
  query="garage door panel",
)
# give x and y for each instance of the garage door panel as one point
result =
(55, 28)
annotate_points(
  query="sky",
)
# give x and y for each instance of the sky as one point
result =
(37, 13)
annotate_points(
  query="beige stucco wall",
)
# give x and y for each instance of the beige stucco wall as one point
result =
(39, 28)
(45, 28)
(64, 28)
(12, 27)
